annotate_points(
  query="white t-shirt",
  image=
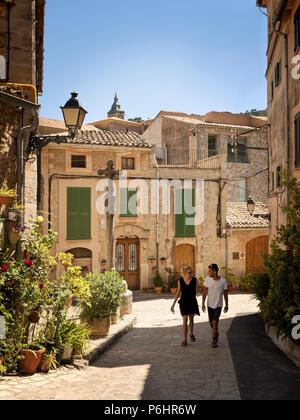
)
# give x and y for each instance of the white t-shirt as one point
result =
(215, 291)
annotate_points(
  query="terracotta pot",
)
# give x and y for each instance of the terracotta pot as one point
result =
(34, 317)
(9, 283)
(45, 363)
(173, 290)
(31, 360)
(158, 290)
(5, 199)
(101, 327)
(230, 288)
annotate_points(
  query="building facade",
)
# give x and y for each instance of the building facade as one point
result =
(21, 80)
(283, 76)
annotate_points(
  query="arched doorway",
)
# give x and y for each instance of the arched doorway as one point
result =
(128, 261)
(82, 258)
(184, 255)
(253, 253)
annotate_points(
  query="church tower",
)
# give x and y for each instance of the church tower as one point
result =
(115, 111)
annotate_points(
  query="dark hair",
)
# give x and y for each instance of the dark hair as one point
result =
(214, 267)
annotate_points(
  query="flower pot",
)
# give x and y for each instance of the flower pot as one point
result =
(45, 363)
(14, 237)
(13, 215)
(5, 199)
(31, 360)
(34, 317)
(101, 327)
(67, 354)
(230, 288)
(158, 290)
(173, 290)
(9, 283)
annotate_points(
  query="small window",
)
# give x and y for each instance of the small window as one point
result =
(297, 28)
(273, 181)
(212, 146)
(128, 163)
(272, 90)
(78, 161)
(278, 176)
(238, 154)
(277, 74)
(297, 141)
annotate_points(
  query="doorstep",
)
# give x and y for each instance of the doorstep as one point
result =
(99, 345)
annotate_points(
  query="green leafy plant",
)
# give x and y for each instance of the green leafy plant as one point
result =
(4, 191)
(231, 278)
(106, 295)
(158, 281)
(173, 278)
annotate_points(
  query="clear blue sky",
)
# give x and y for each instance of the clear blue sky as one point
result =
(191, 56)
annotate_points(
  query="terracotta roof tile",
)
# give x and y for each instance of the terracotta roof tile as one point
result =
(108, 138)
(239, 217)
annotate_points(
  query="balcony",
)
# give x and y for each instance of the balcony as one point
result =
(187, 158)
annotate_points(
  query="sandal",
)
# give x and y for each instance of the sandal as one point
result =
(193, 338)
(184, 344)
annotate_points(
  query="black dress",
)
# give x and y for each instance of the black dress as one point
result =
(188, 301)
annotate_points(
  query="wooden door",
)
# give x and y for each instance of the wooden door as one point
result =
(127, 261)
(184, 255)
(253, 250)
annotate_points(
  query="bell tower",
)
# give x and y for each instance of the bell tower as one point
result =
(115, 111)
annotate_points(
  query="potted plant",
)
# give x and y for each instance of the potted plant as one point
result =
(201, 283)
(6, 195)
(232, 281)
(31, 358)
(173, 279)
(15, 234)
(106, 296)
(158, 283)
(48, 362)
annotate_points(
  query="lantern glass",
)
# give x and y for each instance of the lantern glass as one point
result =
(73, 114)
(250, 205)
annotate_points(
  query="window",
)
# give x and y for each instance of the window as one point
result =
(128, 163)
(184, 218)
(237, 154)
(212, 146)
(278, 176)
(128, 202)
(277, 74)
(272, 90)
(78, 161)
(273, 181)
(297, 28)
(78, 213)
(297, 141)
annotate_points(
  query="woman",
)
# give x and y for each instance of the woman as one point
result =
(187, 290)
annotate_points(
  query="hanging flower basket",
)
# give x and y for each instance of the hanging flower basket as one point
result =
(14, 237)
(5, 199)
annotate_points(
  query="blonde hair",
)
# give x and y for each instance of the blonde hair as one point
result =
(186, 268)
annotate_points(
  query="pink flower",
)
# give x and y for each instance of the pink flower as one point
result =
(4, 269)
(41, 285)
(28, 263)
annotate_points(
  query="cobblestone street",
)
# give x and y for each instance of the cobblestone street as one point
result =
(148, 363)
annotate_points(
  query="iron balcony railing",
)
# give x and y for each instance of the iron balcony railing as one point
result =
(192, 158)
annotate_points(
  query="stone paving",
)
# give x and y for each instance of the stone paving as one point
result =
(148, 362)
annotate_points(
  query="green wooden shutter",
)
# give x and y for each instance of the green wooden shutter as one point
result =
(190, 228)
(78, 213)
(179, 214)
(125, 196)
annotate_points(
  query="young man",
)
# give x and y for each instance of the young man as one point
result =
(215, 287)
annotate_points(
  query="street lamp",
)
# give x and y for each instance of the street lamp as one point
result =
(251, 207)
(73, 114)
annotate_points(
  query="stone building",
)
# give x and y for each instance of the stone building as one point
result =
(171, 209)
(21, 80)
(283, 76)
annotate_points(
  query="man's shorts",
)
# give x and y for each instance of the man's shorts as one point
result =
(214, 314)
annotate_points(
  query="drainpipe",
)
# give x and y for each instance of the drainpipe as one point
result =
(24, 133)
